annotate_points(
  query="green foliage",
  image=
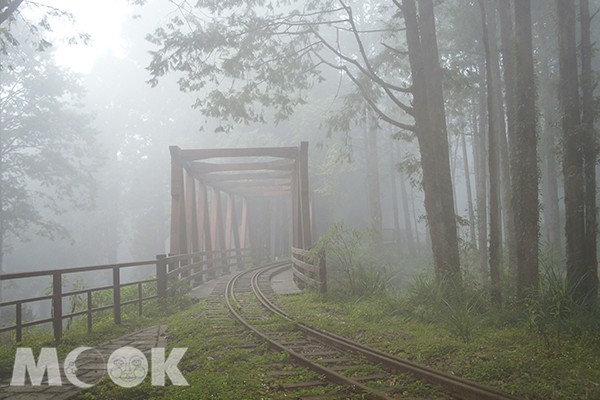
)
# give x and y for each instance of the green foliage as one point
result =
(28, 25)
(350, 264)
(460, 310)
(47, 146)
(551, 310)
(249, 61)
(103, 328)
(510, 357)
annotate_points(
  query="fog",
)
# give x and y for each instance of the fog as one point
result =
(129, 125)
(135, 124)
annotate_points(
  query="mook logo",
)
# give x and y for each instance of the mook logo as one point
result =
(126, 367)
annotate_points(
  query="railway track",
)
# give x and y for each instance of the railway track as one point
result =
(356, 368)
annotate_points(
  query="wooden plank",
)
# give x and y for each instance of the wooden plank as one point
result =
(214, 215)
(306, 279)
(176, 199)
(240, 176)
(276, 165)
(228, 221)
(201, 216)
(208, 243)
(244, 224)
(190, 211)
(250, 183)
(221, 236)
(202, 154)
(117, 295)
(300, 252)
(306, 266)
(296, 231)
(304, 196)
(57, 305)
(236, 237)
(71, 270)
(269, 193)
(260, 189)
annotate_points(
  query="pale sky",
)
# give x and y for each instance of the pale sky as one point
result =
(103, 20)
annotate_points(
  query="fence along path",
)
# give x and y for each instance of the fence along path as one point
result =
(216, 199)
(167, 274)
(307, 273)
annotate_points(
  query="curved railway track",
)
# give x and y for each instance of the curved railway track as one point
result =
(359, 368)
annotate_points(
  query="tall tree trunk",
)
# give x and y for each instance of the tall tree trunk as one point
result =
(500, 127)
(453, 167)
(507, 40)
(415, 220)
(394, 188)
(430, 122)
(493, 164)
(590, 157)
(469, 190)
(2, 226)
(373, 187)
(549, 140)
(480, 156)
(408, 229)
(523, 150)
(573, 151)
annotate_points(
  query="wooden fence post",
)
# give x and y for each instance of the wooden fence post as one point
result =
(89, 310)
(322, 273)
(57, 304)
(19, 322)
(161, 276)
(117, 294)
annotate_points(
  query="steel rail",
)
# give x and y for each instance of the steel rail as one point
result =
(460, 387)
(333, 376)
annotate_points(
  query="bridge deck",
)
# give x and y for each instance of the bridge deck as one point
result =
(282, 283)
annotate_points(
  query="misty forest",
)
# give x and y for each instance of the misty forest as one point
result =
(318, 199)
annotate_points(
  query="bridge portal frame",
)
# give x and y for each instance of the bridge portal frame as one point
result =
(209, 200)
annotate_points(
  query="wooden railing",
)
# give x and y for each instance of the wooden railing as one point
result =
(171, 273)
(307, 274)
(187, 271)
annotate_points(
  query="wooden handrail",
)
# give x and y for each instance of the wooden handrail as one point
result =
(307, 274)
(32, 274)
(162, 264)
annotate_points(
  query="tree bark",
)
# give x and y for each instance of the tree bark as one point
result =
(507, 40)
(469, 190)
(590, 157)
(480, 155)
(523, 150)
(415, 219)
(549, 139)
(430, 122)
(394, 188)
(8, 9)
(373, 187)
(573, 151)
(507, 227)
(493, 165)
(408, 229)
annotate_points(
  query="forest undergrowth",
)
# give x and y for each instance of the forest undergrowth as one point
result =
(545, 347)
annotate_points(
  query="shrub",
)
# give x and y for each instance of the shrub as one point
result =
(351, 264)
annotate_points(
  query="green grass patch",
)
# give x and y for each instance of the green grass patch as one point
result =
(76, 334)
(215, 365)
(511, 357)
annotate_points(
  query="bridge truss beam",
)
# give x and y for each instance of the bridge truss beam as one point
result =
(217, 196)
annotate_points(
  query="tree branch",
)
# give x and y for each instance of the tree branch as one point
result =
(365, 95)
(9, 10)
